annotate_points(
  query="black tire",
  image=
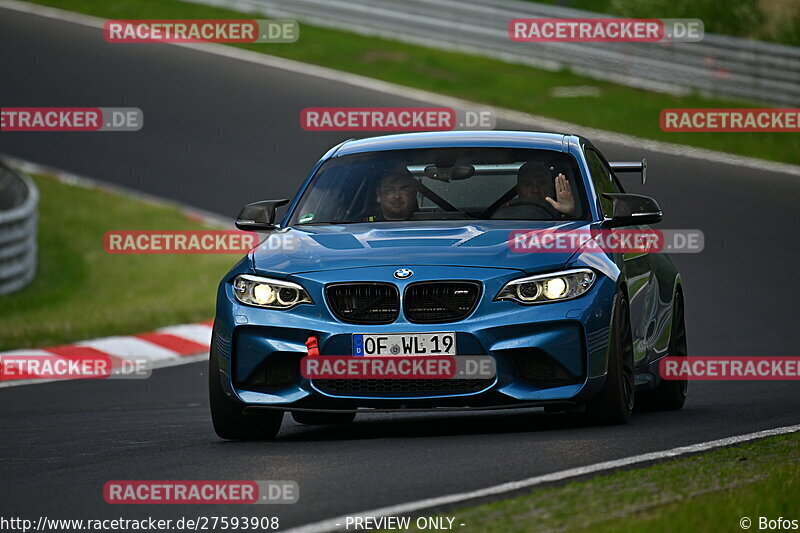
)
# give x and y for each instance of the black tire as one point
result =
(320, 419)
(226, 414)
(670, 395)
(614, 404)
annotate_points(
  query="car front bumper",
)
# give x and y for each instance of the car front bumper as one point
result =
(545, 354)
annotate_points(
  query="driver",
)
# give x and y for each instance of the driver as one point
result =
(397, 196)
(535, 191)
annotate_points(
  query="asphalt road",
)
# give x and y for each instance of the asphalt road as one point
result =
(220, 133)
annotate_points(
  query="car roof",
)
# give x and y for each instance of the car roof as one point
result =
(444, 139)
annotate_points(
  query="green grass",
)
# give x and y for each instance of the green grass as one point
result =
(768, 20)
(617, 108)
(82, 292)
(706, 492)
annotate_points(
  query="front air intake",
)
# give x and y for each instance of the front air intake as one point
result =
(431, 302)
(364, 302)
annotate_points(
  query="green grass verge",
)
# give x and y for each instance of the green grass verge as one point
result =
(81, 292)
(767, 20)
(616, 108)
(706, 492)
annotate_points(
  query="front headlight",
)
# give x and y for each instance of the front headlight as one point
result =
(545, 288)
(269, 293)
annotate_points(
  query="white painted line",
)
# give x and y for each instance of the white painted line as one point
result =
(337, 523)
(129, 348)
(32, 352)
(531, 121)
(200, 333)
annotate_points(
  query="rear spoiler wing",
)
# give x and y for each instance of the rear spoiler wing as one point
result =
(631, 166)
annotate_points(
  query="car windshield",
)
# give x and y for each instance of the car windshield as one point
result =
(444, 184)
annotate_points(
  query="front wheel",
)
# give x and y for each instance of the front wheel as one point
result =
(226, 413)
(614, 403)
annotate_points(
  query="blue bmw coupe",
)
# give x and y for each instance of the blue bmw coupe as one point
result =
(402, 245)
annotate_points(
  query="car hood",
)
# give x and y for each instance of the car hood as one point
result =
(447, 243)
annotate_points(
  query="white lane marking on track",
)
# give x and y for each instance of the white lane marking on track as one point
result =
(532, 121)
(336, 524)
(199, 333)
(34, 351)
(129, 348)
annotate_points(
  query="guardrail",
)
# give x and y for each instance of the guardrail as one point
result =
(19, 204)
(722, 65)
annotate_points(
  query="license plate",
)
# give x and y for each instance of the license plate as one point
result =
(404, 344)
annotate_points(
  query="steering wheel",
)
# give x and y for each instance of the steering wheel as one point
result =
(536, 209)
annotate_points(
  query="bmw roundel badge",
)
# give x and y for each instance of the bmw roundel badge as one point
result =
(403, 273)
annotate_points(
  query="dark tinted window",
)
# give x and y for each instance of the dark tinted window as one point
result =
(440, 184)
(602, 178)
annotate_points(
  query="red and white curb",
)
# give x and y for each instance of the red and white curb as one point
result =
(169, 346)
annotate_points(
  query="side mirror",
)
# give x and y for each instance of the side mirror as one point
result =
(259, 216)
(633, 210)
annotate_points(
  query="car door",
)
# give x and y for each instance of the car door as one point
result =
(637, 267)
